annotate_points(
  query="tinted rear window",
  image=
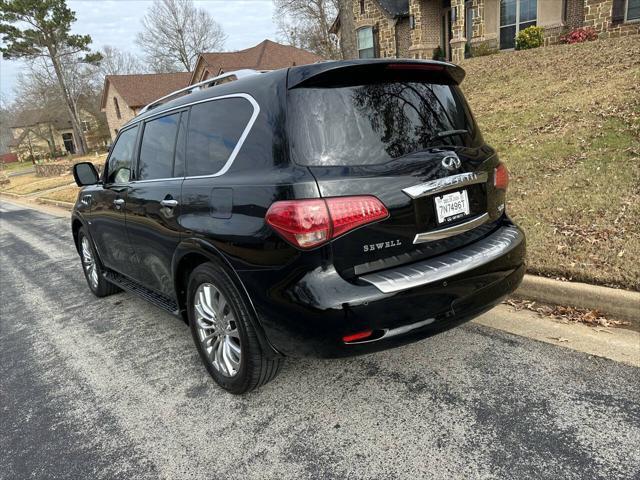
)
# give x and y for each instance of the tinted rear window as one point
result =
(214, 130)
(372, 124)
(157, 148)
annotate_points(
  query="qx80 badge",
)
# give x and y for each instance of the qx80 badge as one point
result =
(381, 245)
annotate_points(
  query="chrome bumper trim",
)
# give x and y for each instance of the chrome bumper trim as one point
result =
(438, 268)
(446, 183)
(451, 231)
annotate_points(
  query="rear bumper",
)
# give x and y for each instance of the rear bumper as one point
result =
(309, 313)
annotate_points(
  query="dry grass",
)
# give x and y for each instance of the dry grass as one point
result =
(566, 121)
(26, 184)
(69, 194)
(16, 166)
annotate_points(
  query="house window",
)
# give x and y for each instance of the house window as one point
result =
(361, 7)
(515, 15)
(633, 10)
(365, 43)
(86, 126)
(115, 104)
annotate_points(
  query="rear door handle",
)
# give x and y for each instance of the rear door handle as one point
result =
(118, 202)
(169, 203)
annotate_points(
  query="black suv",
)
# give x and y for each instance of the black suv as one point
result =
(326, 210)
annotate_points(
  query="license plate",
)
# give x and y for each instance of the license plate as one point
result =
(452, 206)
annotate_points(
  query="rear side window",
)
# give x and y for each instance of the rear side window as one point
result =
(158, 147)
(119, 168)
(373, 124)
(214, 130)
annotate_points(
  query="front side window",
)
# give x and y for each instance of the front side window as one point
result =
(214, 130)
(515, 15)
(158, 147)
(386, 121)
(119, 167)
(633, 10)
(365, 43)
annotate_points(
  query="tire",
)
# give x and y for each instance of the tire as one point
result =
(222, 329)
(92, 267)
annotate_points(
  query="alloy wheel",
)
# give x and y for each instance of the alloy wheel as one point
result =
(89, 263)
(217, 329)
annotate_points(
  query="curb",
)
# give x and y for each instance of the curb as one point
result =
(12, 195)
(55, 203)
(618, 304)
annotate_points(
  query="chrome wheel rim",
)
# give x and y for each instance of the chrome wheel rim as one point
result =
(217, 329)
(89, 263)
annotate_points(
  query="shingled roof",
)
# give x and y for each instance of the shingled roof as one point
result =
(33, 117)
(140, 89)
(396, 8)
(267, 55)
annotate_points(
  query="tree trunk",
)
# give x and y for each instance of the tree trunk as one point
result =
(347, 30)
(78, 134)
(52, 143)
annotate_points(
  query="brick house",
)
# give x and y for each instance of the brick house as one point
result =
(415, 28)
(38, 133)
(267, 55)
(124, 95)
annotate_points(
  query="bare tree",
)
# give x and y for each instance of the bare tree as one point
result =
(306, 24)
(175, 32)
(117, 62)
(42, 30)
(37, 85)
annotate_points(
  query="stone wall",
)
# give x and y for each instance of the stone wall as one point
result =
(597, 14)
(403, 37)
(53, 169)
(383, 24)
(552, 34)
(425, 37)
(575, 14)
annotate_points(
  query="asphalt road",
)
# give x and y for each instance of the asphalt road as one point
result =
(113, 388)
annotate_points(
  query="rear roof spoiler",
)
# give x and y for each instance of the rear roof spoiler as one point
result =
(353, 72)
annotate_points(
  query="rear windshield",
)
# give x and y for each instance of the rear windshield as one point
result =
(373, 124)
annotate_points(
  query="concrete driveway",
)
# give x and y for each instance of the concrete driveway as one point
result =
(113, 388)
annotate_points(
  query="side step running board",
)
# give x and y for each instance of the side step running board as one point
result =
(131, 286)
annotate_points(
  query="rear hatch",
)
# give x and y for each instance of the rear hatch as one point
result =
(403, 132)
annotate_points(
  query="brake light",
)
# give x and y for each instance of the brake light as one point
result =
(501, 177)
(310, 223)
(415, 66)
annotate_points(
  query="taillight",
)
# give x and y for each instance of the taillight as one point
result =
(309, 223)
(501, 177)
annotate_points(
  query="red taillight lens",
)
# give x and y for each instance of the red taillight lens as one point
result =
(305, 223)
(348, 213)
(357, 336)
(501, 177)
(309, 223)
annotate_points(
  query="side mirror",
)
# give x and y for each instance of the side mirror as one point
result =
(85, 173)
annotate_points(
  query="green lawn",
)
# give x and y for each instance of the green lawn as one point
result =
(566, 121)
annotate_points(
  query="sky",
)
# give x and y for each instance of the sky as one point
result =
(116, 22)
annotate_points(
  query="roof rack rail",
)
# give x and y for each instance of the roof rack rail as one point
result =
(210, 82)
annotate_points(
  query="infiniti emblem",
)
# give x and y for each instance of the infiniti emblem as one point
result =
(451, 162)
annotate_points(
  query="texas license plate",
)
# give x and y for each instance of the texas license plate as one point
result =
(452, 206)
